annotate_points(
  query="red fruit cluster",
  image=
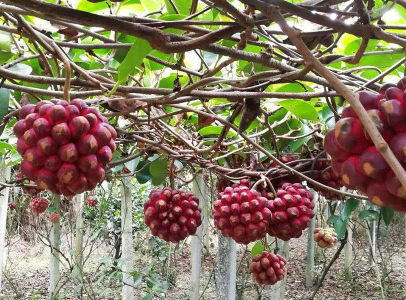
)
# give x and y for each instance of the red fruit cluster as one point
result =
(323, 173)
(292, 210)
(241, 213)
(355, 158)
(268, 268)
(11, 206)
(39, 205)
(29, 190)
(172, 215)
(65, 146)
(325, 238)
(92, 202)
(54, 218)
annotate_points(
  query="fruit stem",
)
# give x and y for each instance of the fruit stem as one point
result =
(270, 185)
(171, 174)
(276, 250)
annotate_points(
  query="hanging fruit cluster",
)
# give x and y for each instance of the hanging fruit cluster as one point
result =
(39, 205)
(325, 238)
(241, 213)
(54, 218)
(11, 206)
(292, 210)
(92, 202)
(355, 158)
(172, 215)
(323, 173)
(268, 268)
(65, 146)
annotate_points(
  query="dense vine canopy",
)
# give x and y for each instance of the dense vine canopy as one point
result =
(229, 86)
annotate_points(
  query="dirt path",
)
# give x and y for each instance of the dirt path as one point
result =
(27, 274)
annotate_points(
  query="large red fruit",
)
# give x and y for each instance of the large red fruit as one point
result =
(325, 238)
(39, 205)
(366, 170)
(65, 147)
(241, 213)
(11, 206)
(268, 268)
(172, 215)
(292, 211)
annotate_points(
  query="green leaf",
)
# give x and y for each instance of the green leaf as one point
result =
(4, 100)
(214, 130)
(5, 41)
(350, 205)
(148, 296)
(132, 164)
(340, 227)
(387, 214)
(143, 174)
(22, 69)
(257, 249)
(138, 51)
(138, 280)
(183, 6)
(369, 214)
(333, 219)
(159, 170)
(300, 109)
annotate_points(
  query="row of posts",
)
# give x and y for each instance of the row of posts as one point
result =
(226, 269)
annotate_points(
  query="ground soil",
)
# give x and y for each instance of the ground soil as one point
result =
(26, 273)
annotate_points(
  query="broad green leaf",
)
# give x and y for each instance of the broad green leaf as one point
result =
(168, 81)
(294, 145)
(138, 51)
(369, 214)
(350, 205)
(22, 69)
(183, 6)
(387, 215)
(353, 46)
(215, 130)
(144, 175)
(158, 170)
(300, 109)
(5, 41)
(85, 5)
(257, 249)
(152, 5)
(4, 101)
(333, 219)
(132, 164)
(340, 227)
(279, 115)
(5, 56)
(4, 145)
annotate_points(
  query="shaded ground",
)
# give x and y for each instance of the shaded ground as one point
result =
(27, 274)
